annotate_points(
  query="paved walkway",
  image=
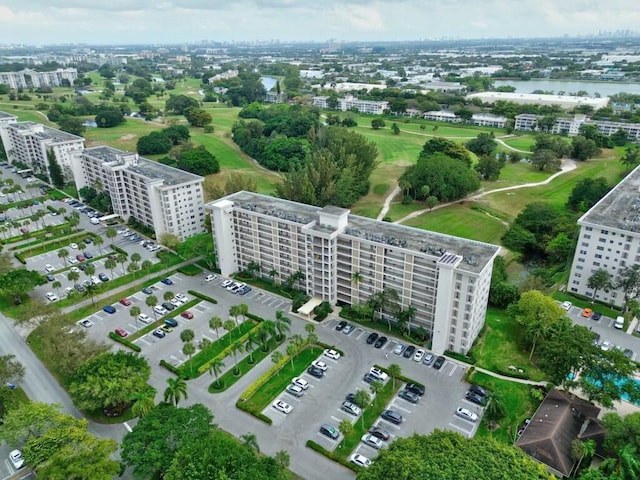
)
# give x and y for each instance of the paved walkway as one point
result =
(387, 203)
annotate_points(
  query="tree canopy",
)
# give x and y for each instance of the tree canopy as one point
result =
(19, 282)
(586, 193)
(179, 103)
(199, 161)
(108, 117)
(449, 456)
(154, 143)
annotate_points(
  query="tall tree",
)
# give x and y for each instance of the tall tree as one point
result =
(176, 390)
(600, 279)
(55, 170)
(628, 281)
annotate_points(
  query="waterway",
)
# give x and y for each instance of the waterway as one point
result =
(604, 89)
(268, 82)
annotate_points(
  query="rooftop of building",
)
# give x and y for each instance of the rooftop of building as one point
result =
(142, 166)
(475, 254)
(620, 208)
(46, 133)
(7, 115)
(541, 97)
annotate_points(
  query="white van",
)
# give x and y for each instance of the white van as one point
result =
(619, 323)
(94, 221)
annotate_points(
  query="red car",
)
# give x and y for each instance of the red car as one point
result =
(121, 332)
(125, 301)
(80, 258)
(187, 314)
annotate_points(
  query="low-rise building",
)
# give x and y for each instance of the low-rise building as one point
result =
(566, 102)
(349, 102)
(442, 116)
(163, 198)
(570, 126)
(489, 120)
(346, 259)
(31, 78)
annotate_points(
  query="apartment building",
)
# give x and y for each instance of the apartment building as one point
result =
(345, 259)
(349, 102)
(29, 143)
(441, 116)
(571, 125)
(489, 120)
(164, 198)
(31, 78)
(609, 239)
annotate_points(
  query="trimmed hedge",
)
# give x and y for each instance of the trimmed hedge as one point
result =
(119, 250)
(332, 455)
(170, 367)
(190, 270)
(202, 296)
(20, 258)
(242, 406)
(124, 342)
(470, 359)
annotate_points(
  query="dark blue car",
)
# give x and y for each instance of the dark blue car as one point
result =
(167, 281)
(109, 309)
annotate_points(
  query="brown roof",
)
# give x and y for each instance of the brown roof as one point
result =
(560, 419)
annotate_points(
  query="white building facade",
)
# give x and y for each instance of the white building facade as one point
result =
(164, 198)
(347, 103)
(31, 78)
(346, 259)
(609, 239)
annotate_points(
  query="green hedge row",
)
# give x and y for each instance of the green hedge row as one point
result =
(332, 455)
(470, 359)
(259, 416)
(170, 367)
(119, 250)
(190, 270)
(202, 296)
(124, 342)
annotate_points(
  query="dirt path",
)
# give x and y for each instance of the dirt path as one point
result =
(567, 166)
(509, 147)
(387, 203)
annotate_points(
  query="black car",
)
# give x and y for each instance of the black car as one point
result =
(409, 351)
(351, 397)
(596, 316)
(103, 277)
(409, 396)
(168, 306)
(315, 372)
(341, 324)
(50, 278)
(415, 388)
(380, 342)
(87, 241)
(82, 267)
(478, 390)
(373, 336)
(439, 362)
(391, 416)
(368, 378)
(87, 255)
(79, 287)
(381, 433)
(474, 398)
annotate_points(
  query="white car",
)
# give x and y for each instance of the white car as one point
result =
(16, 459)
(301, 382)
(182, 297)
(86, 323)
(226, 283)
(295, 390)
(332, 354)
(606, 345)
(160, 310)
(399, 349)
(321, 365)
(73, 246)
(72, 260)
(371, 441)
(466, 414)
(74, 269)
(52, 297)
(68, 290)
(144, 318)
(419, 355)
(209, 278)
(379, 374)
(282, 406)
(360, 460)
(95, 280)
(566, 305)
(175, 301)
(49, 268)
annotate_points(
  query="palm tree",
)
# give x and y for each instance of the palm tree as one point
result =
(394, 372)
(273, 273)
(145, 266)
(189, 349)
(122, 259)
(266, 330)
(204, 343)
(235, 349)
(168, 295)
(145, 401)
(63, 253)
(151, 301)
(73, 276)
(234, 311)
(292, 349)
(580, 450)
(215, 368)
(136, 257)
(376, 387)
(276, 356)
(250, 345)
(215, 323)
(89, 269)
(91, 290)
(110, 264)
(363, 400)
(99, 242)
(134, 312)
(345, 427)
(356, 279)
(57, 286)
(251, 441)
(132, 268)
(384, 300)
(282, 459)
(176, 390)
(111, 233)
(282, 324)
(229, 326)
(187, 335)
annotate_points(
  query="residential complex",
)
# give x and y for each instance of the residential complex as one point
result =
(346, 259)
(566, 102)
(480, 119)
(31, 78)
(164, 198)
(571, 125)
(349, 102)
(609, 239)
(29, 143)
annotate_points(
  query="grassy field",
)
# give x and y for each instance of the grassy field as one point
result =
(462, 221)
(522, 142)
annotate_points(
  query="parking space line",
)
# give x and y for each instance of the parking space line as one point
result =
(386, 425)
(460, 429)
(455, 367)
(400, 408)
(333, 443)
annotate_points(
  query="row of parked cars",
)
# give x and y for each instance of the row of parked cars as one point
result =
(239, 288)
(419, 355)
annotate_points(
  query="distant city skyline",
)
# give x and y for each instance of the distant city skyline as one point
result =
(189, 21)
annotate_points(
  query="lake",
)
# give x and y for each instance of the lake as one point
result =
(268, 82)
(605, 89)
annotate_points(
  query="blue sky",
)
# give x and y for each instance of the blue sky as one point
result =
(167, 21)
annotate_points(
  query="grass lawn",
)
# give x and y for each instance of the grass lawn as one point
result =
(461, 221)
(517, 401)
(498, 347)
(516, 174)
(397, 210)
(123, 137)
(521, 142)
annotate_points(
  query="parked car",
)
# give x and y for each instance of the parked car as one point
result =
(103, 277)
(144, 318)
(49, 277)
(301, 382)
(566, 305)
(329, 431)
(168, 306)
(419, 355)
(379, 432)
(321, 365)
(79, 287)
(399, 349)
(373, 336)
(160, 310)
(351, 408)
(315, 371)
(282, 406)
(428, 359)
(474, 398)
(72, 260)
(49, 268)
(80, 258)
(167, 281)
(109, 309)
(147, 291)
(125, 301)
(86, 323)
(478, 390)
(209, 278)
(409, 396)
(379, 374)
(52, 297)
(226, 283)
(295, 390)
(381, 342)
(331, 354)
(73, 246)
(340, 325)
(368, 378)
(348, 329)
(187, 314)
(172, 322)
(159, 333)
(87, 255)
(466, 414)
(370, 440)
(587, 312)
(596, 316)
(17, 461)
(391, 416)
(439, 363)
(360, 460)
(121, 332)
(415, 388)
(409, 351)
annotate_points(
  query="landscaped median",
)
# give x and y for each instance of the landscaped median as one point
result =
(266, 388)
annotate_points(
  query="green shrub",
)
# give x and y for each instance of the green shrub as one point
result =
(203, 297)
(259, 416)
(190, 270)
(20, 258)
(332, 455)
(470, 359)
(170, 367)
(119, 250)
(124, 342)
